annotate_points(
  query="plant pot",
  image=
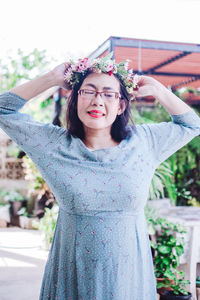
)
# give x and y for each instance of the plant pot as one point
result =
(163, 289)
(198, 293)
(198, 283)
(169, 295)
(25, 222)
(14, 221)
(15, 207)
(5, 213)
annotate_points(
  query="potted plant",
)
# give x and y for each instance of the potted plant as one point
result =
(25, 219)
(47, 225)
(198, 287)
(16, 201)
(4, 214)
(37, 188)
(198, 282)
(168, 246)
(178, 290)
(4, 209)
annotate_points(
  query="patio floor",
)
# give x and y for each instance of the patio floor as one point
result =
(22, 262)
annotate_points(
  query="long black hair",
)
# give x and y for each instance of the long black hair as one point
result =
(119, 129)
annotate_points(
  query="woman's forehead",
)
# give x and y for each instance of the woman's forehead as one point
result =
(101, 81)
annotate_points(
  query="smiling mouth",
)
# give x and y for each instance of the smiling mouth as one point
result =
(96, 114)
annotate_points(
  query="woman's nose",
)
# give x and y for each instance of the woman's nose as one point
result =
(97, 99)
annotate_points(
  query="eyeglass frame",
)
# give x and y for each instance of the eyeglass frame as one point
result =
(96, 93)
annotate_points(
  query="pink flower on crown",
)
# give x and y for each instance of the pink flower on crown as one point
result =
(82, 65)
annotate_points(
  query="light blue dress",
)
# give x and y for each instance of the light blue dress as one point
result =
(101, 248)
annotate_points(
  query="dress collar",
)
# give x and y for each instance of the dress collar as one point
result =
(101, 155)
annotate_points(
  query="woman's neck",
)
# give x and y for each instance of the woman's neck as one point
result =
(99, 141)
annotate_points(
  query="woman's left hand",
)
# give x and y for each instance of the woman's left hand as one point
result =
(147, 86)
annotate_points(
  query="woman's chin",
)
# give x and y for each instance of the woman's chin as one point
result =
(96, 125)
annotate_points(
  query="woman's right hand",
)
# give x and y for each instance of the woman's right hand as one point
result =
(58, 75)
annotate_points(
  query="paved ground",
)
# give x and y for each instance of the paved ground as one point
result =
(22, 262)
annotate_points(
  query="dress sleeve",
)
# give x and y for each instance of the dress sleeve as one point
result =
(166, 138)
(30, 135)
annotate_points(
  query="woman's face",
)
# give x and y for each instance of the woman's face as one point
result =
(95, 112)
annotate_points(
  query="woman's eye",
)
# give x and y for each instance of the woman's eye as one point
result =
(89, 93)
(109, 95)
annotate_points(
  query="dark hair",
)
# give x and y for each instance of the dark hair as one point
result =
(119, 129)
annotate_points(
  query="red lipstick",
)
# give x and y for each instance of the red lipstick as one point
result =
(96, 113)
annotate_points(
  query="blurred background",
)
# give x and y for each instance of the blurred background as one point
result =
(35, 36)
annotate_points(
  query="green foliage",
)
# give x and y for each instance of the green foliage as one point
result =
(162, 176)
(169, 246)
(156, 115)
(32, 174)
(15, 71)
(170, 187)
(179, 288)
(24, 66)
(194, 202)
(40, 110)
(151, 215)
(178, 284)
(23, 212)
(3, 193)
(184, 91)
(13, 150)
(47, 225)
(27, 66)
(187, 172)
(13, 195)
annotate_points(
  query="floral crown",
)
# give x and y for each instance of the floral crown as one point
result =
(75, 71)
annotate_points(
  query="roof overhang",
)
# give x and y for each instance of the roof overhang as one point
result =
(173, 64)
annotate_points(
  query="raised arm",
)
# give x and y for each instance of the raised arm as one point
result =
(149, 86)
(33, 137)
(38, 85)
(166, 138)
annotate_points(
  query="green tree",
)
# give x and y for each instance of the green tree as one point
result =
(23, 66)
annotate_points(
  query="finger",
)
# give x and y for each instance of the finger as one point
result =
(143, 91)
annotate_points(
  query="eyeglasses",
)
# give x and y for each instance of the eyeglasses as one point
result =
(109, 96)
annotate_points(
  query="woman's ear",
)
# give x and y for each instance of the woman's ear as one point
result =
(122, 107)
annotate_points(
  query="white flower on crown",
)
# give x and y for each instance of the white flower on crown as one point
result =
(126, 65)
(136, 79)
(114, 69)
(109, 65)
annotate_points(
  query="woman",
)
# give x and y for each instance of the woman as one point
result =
(99, 170)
